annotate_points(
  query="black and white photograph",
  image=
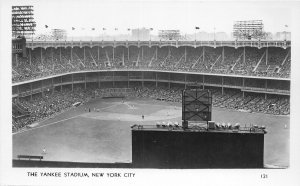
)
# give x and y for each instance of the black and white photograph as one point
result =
(173, 91)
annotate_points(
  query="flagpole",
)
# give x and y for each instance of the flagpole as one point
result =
(128, 34)
(214, 33)
(115, 35)
(150, 33)
(72, 33)
(285, 32)
(102, 33)
(195, 35)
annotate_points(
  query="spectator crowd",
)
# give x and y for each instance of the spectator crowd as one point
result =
(45, 62)
(42, 107)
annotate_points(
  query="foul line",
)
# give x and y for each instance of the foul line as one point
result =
(59, 121)
(45, 125)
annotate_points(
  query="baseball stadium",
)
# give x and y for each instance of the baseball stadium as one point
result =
(76, 101)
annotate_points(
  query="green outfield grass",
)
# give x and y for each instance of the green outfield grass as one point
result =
(105, 136)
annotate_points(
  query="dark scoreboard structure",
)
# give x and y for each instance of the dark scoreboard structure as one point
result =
(158, 147)
(206, 145)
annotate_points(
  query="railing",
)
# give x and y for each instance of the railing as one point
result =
(200, 128)
(265, 90)
(236, 44)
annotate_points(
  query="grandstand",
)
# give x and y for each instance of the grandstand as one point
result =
(266, 59)
(252, 76)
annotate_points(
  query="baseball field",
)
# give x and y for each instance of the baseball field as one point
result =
(99, 131)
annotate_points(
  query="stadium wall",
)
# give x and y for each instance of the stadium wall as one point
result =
(126, 79)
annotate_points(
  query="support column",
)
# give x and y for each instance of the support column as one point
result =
(143, 79)
(128, 53)
(84, 54)
(243, 87)
(156, 53)
(128, 79)
(113, 54)
(156, 79)
(16, 59)
(243, 83)
(30, 91)
(113, 79)
(142, 53)
(72, 82)
(184, 81)
(203, 82)
(267, 55)
(99, 80)
(185, 54)
(41, 55)
(223, 54)
(98, 53)
(60, 83)
(169, 80)
(60, 54)
(244, 57)
(42, 87)
(266, 96)
(72, 54)
(52, 58)
(29, 56)
(203, 55)
(18, 98)
(52, 86)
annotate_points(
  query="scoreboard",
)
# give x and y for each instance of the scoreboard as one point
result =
(196, 106)
(169, 34)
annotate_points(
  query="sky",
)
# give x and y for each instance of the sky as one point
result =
(182, 15)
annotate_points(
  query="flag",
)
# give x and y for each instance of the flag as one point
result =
(46, 26)
(197, 28)
(151, 29)
(73, 28)
(286, 25)
(103, 28)
(128, 29)
(116, 28)
(93, 28)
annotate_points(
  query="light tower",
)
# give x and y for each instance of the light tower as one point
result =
(23, 23)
